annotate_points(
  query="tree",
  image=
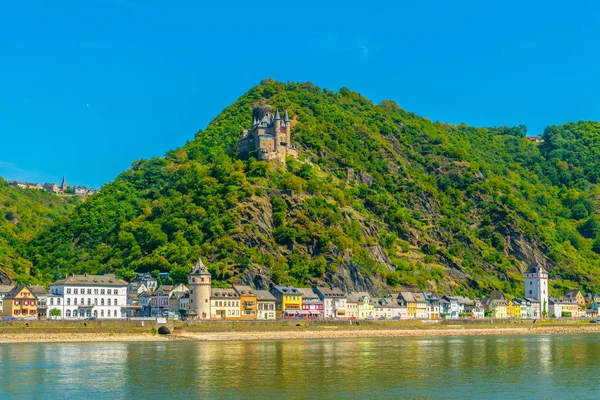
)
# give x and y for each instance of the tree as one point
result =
(55, 312)
(596, 246)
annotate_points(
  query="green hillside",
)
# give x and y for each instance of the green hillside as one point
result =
(380, 198)
(24, 213)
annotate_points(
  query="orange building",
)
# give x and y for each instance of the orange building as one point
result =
(20, 303)
(248, 302)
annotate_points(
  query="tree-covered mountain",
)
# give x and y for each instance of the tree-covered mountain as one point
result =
(24, 213)
(380, 198)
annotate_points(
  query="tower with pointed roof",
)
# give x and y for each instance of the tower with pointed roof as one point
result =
(199, 282)
(536, 286)
(63, 185)
(270, 136)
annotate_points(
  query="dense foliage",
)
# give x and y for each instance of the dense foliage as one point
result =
(24, 213)
(380, 198)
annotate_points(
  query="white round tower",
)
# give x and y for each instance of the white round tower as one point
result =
(199, 283)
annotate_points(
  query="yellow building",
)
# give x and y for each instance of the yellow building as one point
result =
(513, 309)
(224, 304)
(20, 303)
(248, 301)
(288, 301)
(406, 299)
(366, 308)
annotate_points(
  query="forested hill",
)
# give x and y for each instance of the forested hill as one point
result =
(24, 213)
(380, 199)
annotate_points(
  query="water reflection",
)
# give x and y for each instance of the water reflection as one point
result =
(465, 367)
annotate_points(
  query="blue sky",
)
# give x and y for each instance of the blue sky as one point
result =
(87, 87)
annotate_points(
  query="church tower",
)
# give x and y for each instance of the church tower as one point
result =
(536, 286)
(199, 283)
(63, 185)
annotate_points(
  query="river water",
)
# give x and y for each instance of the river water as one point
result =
(533, 366)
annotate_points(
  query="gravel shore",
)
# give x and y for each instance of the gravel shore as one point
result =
(25, 336)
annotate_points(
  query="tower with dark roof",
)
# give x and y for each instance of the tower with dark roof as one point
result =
(199, 282)
(63, 185)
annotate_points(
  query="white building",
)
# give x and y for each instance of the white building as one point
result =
(334, 302)
(82, 296)
(536, 287)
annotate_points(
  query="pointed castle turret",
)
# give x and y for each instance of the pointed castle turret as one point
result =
(269, 138)
(63, 185)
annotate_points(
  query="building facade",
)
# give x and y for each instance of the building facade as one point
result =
(334, 302)
(83, 296)
(20, 303)
(265, 304)
(248, 302)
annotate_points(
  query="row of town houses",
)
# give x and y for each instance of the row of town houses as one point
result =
(107, 297)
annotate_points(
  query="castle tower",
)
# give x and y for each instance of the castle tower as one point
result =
(536, 286)
(199, 283)
(286, 120)
(63, 185)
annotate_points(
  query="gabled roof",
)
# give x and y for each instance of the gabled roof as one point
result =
(38, 290)
(572, 293)
(407, 296)
(16, 290)
(244, 290)
(264, 295)
(91, 280)
(308, 294)
(223, 293)
(286, 290)
(496, 295)
(330, 292)
(6, 288)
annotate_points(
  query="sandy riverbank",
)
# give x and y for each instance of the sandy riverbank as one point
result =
(39, 336)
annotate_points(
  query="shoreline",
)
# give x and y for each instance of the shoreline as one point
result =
(22, 336)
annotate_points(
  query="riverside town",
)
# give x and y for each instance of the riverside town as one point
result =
(107, 297)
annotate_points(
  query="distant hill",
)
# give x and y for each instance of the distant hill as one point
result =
(24, 213)
(380, 199)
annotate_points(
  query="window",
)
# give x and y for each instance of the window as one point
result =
(74, 301)
(58, 301)
(530, 283)
(108, 291)
(89, 301)
(75, 291)
(89, 291)
(51, 301)
(115, 302)
(82, 302)
(68, 301)
(102, 291)
(530, 292)
(101, 302)
(95, 291)
(95, 302)
(68, 291)
(108, 302)
(102, 313)
(205, 300)
(96, 313)
(68, 313)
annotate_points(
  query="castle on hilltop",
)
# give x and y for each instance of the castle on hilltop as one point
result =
(269, 139)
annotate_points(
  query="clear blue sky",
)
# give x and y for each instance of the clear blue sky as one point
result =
(89, 86)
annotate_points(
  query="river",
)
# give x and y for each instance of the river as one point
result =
(533, 366)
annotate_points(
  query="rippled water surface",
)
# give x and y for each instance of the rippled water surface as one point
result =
(545, 367)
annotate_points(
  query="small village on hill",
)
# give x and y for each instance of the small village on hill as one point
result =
(53, 188)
